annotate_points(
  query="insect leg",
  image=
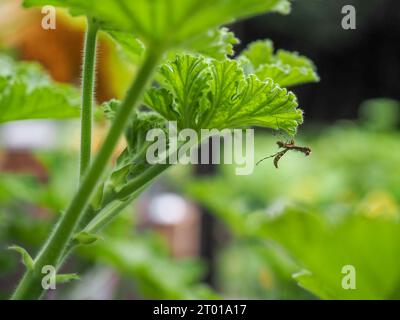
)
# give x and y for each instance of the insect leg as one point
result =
(278, 157)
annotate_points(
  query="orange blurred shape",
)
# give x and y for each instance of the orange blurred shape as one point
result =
(59, 50)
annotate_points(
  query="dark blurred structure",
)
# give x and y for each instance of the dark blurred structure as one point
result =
(354, 65)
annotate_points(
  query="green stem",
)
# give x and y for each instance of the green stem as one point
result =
(137, 183)
(89, 66)
(30, 285)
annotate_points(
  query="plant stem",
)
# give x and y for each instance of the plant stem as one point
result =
(30, 285)
(89, 66)
(136, 183)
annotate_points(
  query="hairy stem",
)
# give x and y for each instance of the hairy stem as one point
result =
(88, 76)
(30, 285)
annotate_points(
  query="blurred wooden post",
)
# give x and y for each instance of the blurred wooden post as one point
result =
(175, 219)
(208, 222)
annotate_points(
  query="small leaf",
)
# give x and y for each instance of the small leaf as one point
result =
(26, 92)
(119, 176)
(109, 108)
(132, 162)
(65, 278)
(26, 258)
(86, 238)
(138, 127)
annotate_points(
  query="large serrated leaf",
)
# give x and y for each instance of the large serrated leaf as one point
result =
(171, 23)
(208, 94)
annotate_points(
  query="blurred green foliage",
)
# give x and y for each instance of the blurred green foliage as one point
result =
(292, 230)
(338, 207)
(380, 114)
(28, 209)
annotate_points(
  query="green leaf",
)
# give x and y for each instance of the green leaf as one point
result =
(131, 161)
(86, 238)
(207, 94)
(186, 81)
(162, 101)
(242, 101)
(324, 245)
(110, 108)
(26, 258)
(149, 264)
(215, 43)
(170, 23)
(65, 278)
(140, 124)
(26, 92)
(131, 48)
(259, 53)
(285, 68)
(306, 280)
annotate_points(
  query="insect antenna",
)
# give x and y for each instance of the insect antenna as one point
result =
(266, 158)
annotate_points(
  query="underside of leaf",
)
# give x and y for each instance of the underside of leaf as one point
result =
(166, 21)
(200, 93)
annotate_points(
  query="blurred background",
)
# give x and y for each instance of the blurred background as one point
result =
(203, 232)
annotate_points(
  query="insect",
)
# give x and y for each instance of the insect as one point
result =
(286, 146)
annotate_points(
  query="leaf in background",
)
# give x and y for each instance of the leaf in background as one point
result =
(285, 68)
(212, 94)
(381, 114)
(306, 280)
(324, 246)
(157, 275)
(170, 23)
(259, 53)
(26, 92)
